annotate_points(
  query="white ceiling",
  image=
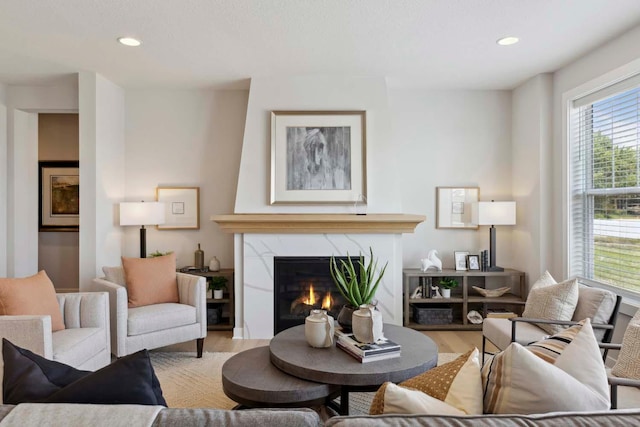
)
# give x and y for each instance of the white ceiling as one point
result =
(222, 43)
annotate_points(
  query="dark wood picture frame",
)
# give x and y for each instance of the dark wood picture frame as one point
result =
(59, 195)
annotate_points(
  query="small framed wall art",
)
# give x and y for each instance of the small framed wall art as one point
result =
(453, 206)
(182, 207)
(59, 196)
(318, 157)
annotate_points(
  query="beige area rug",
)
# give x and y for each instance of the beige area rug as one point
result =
(188, 382)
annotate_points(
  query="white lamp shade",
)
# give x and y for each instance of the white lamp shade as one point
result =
(493, 213)
(141, 213)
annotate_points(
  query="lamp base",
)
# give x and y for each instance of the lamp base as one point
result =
(494, 268)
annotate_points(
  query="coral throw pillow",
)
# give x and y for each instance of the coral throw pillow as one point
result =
(151, 280)
(33, 295)
(454, 388)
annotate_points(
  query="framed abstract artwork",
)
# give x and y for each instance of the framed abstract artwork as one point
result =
(182, 207)
(318, 157)
(453, 206)
(59, 199)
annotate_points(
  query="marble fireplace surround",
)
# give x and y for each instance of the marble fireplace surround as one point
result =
(259, 238)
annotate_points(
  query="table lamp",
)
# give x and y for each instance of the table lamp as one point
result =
(142, 213)
(493, 213)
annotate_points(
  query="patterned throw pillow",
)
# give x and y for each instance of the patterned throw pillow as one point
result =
(517, 381)
(454, 388)
(552, 302)
(549, 349)
(628, 363)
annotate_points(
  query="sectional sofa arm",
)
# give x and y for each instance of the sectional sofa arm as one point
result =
(31, 332)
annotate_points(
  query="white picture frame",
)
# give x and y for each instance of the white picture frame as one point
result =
(453, 207)
(318, 157)
(460, 259)
(182, 207)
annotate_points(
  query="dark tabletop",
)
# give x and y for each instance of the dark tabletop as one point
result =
(291, 353)
(249, 378)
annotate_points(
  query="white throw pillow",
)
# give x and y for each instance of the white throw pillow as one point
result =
(516, 381)
(552, 302)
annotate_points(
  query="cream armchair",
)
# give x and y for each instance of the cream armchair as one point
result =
(157, 325)
(84, 343)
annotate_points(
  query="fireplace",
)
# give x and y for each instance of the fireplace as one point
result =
(302, 284)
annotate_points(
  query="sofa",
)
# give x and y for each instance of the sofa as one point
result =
(139, 415)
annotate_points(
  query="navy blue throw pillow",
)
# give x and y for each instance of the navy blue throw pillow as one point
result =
(32, 378)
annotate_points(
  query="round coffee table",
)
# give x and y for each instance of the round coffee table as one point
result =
(291, 353)
(250, 379)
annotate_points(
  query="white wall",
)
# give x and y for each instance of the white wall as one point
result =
(532, 174)
(23, 103)
(101, 129)
(451, 138)
(316, 93)
(185, 138)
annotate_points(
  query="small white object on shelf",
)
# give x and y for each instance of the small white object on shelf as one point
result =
(474, 317)
(431, 262)
(492, 293)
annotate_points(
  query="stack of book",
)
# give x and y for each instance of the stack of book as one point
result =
(500, 313)
(380, 350)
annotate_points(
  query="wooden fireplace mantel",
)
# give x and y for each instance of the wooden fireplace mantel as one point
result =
(318, 223)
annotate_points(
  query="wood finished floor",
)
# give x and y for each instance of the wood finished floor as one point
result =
(222, 341)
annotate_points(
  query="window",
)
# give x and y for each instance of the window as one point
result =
(605, 186)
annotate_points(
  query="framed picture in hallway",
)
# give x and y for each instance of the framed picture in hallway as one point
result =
(59, 199)
(318, 157)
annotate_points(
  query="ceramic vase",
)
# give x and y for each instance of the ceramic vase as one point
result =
(218, 293)
(446, 293)
(367, 324)
(345, 316)
(318, 329)
(214, 264)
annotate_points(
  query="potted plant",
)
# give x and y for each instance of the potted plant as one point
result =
(356, 282)
(447, 283)
(218, 284)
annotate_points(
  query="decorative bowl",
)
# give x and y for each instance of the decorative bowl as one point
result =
(492, 293)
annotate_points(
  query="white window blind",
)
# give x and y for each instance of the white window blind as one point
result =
(605, 186)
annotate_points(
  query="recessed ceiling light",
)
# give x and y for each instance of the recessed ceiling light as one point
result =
(129, 41)
(506, 41)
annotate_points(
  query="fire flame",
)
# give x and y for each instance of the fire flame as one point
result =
(327, 301)
(311, 300)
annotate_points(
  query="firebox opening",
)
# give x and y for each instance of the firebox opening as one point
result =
(302, 284)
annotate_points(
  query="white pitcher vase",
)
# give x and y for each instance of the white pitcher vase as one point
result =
(318, 329)
(367, 324)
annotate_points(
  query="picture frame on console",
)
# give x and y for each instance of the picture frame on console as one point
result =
(453, 206)
(473, 262)
(182, 207)
(318, 157)
(460, 258)
(59, 198)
